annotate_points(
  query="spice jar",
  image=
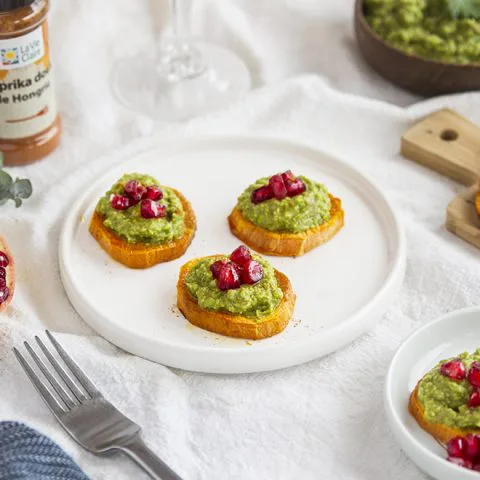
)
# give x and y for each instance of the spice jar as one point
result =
(30, 127)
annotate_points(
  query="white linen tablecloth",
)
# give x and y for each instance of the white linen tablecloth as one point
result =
(323, 419)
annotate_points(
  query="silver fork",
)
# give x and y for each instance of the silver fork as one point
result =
(85, 414)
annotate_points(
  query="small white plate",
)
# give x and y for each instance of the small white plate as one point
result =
(342, 287)
(446, 337)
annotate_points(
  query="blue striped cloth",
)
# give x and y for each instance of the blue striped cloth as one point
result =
(26, 454)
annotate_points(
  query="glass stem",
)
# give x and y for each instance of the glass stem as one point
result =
(175, 18)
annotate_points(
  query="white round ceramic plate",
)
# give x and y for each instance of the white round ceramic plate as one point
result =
(452, 334)
(342, 287)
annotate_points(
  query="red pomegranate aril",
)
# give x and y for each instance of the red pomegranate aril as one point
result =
(288, 175)
(4, 261)
(240, 255)
(215, 267)
(135, 190)
(277, 186)
(151, 209)
(252, 272)
(262, 194)
(456, 447)
(474, 375)
(3, 283)
(472, 447)
(4, 293)
(120, 202)
(154, 193)
(474, 400)
(295, 187)
(3, 272)
(228, 277)
(461, 462)
(454, 369)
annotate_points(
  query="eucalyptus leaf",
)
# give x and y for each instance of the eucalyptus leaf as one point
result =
(14, 190)
(464, 8)
(22, 188)
(6, 182)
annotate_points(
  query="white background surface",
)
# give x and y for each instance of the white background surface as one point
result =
(320, 420)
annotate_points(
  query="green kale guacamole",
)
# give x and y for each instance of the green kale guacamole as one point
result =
(445, 400)
(131, 226)
(425, 28)
(292, 214)
(253, 301)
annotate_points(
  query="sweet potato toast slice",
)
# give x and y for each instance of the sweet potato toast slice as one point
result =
(236, 325)
(142, 255)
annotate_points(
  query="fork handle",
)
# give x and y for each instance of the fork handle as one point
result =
(138, 451)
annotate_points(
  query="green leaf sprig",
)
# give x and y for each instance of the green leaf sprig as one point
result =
(464, 8)
(17, 190)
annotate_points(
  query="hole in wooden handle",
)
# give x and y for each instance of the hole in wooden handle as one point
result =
(449, 135)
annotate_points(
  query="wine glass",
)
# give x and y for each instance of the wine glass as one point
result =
(180, 77)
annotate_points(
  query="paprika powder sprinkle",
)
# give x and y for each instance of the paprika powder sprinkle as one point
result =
(30, 127)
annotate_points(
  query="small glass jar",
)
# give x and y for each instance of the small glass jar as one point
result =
(30, 126)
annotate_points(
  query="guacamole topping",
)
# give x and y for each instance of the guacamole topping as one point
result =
(291, 214)
(445, 400)
(253, 301)
(131, 226)
(425, 28)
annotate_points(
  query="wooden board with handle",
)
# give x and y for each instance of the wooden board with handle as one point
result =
(450, 144)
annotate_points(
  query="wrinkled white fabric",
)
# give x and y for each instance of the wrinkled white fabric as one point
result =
(323, 419)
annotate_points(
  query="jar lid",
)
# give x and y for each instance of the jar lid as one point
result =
(7, 5)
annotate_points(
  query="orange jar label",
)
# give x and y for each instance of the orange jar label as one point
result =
(27, 102)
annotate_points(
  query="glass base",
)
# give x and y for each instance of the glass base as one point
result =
(180, 80)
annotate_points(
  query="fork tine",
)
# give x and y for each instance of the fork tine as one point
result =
(49, 399)
(62, 393)
(61, 371)
(76, 370)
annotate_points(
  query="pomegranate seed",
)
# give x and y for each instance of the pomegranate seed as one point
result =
(474, 400)
(456, 447)
(154, 193)
(4, 292)
(240, 255)
(474, 375)
(454, 369)
(461, 462)
(252, 272)
(261, 194)
(295, 187)
(228, 277)
(476, 467)
(3, 272)
(215, 267)
(3, 283)
(472, 447)
(288, 175)
(278, 187)
(120, 202)
(151, 209)
(135, 190)
(4, 261)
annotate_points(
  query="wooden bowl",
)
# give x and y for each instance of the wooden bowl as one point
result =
(413, 73)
